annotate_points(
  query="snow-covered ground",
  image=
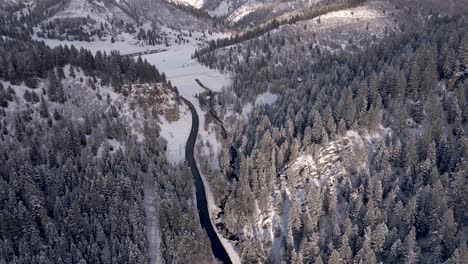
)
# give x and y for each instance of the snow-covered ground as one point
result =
(266, 98)
(176, 134)
(124, 47)
(182, 71)
(127, 44)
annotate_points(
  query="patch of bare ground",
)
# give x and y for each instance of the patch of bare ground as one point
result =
(158, 99)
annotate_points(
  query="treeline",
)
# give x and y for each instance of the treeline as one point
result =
(29, 61)
(87, 29)
(275, 23)
(400, 200)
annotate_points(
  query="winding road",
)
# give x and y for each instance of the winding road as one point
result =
(202, 205)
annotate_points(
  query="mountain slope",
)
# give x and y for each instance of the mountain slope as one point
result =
(94, 19)
(362, 159)
(139, 22)
(163, 13)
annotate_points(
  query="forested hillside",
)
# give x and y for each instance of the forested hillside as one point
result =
(361, 161)
(75, 145)
(308, 13)
(281, 131)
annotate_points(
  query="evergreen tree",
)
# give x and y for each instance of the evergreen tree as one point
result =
(43, 108)
(53, 87)
(411, 249)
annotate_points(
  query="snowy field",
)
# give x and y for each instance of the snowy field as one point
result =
(182, 71)
(176, 134)
(124, 47)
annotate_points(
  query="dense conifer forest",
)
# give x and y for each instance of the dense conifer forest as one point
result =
(333, 141)
(71, 168)
(400, 198)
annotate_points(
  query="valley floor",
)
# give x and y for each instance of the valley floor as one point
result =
(182, 71)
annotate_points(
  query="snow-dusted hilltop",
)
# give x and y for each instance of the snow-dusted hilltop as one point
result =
(194, 3)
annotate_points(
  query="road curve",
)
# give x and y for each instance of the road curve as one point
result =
(202, 205)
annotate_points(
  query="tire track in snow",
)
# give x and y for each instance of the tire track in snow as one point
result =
(151, 221)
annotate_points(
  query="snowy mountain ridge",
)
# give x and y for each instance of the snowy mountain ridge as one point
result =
(253, 12)
(194, 3)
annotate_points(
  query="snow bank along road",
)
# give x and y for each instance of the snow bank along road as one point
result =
(218, 249)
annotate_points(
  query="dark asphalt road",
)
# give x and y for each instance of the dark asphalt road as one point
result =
(218, 249)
